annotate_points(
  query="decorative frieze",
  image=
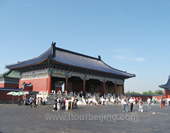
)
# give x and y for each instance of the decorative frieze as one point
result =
(35, 74)
(62, 74)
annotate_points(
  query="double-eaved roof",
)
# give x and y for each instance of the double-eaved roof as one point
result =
(67, 57)
(167, 85)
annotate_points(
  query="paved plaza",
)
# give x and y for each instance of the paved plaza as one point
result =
(85, 119)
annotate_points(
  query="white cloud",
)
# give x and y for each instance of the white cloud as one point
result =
(119, 57)
(139, 59)
(127, 54)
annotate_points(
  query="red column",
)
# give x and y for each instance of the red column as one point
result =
(84, 85)
(49, 83)
(103, 87)
(115, 88)
(165, 94)
(66, 83)
(123, 88)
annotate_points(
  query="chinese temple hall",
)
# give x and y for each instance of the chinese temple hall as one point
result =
(166, 88)
(77, 72)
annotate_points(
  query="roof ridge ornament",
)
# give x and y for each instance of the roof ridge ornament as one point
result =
(53, 44)
(53, 47)
(99, 57)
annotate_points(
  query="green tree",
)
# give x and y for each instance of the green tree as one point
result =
(153, 93)
(132, 92)
(145, 92)
(159, 92)
(148, 92)
(128, 92)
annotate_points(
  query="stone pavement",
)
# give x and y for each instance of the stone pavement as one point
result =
(85, 119)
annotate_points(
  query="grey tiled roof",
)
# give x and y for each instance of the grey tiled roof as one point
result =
(73, 59)
(167, 85)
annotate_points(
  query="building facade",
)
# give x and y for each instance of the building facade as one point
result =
(9, 81)
(76, 71)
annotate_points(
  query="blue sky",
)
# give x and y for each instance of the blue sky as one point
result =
(130, 35)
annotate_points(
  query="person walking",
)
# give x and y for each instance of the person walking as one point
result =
(154, 100)
(136, 100)
(149, 103)
(30, 102)
(19, 101)
(161, 100)
(58, 103)
(55, 104)
(140, 105)
(107, 100)
(131, 100)
(125, 104)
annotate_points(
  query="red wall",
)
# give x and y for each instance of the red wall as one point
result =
(167, 92)
(145, 97)
(27, 88)
(9, 85)
(39, 84)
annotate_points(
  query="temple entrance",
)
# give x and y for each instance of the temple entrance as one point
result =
(57, 84)
(94, 86)
(110, 87)
(75, 84)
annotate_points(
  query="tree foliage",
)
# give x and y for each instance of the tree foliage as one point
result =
(153, 93)
(147, 92)
(132, 92)
(159, 92)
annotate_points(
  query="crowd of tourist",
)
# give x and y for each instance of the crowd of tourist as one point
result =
(70, 103)
(65, 103)
(140, 102)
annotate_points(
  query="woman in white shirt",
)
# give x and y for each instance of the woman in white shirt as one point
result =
(67, 104)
